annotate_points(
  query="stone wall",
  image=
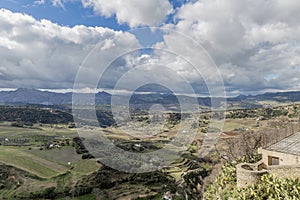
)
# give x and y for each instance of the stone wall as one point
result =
(288, 171)
(248, 174)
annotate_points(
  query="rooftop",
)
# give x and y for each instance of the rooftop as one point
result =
(290, 145)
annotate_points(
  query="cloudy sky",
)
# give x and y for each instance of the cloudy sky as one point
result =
(248, 47)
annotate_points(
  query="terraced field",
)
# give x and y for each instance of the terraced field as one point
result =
(62, 168)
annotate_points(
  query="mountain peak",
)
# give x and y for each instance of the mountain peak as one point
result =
(102, 93)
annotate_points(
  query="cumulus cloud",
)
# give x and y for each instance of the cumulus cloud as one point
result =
(255, 43)
(132, 12)
(41, 54)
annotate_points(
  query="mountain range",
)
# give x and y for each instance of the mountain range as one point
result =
(33, 96)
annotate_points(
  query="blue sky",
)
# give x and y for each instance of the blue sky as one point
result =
(72, 14)
(254, 44)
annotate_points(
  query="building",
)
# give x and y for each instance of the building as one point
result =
(284, 152)
(281, 159)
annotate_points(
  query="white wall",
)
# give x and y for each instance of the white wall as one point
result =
(284, 158)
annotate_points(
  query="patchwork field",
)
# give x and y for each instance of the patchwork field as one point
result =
(27, 155)
(24, 148)
(49, 154)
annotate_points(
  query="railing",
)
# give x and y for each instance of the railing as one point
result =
(272, 136)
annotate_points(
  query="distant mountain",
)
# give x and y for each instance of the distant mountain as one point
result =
(283, 97)
(280, 97)
(32, 96)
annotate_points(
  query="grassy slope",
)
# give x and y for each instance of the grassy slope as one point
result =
(20, 158)
(56, 130)
(61, 156)
(85, 166)
(231, 124)
(44, 164)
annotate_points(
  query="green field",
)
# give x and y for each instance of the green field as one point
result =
(232, 124)
(20, 157)
(57, 167)
(61, 168)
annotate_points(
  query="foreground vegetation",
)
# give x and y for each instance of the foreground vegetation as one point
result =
(269, 187)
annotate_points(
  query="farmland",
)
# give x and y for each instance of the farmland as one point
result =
(45, 160)
(50, 161)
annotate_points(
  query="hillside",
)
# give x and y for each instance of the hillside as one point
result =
(70, 170)
(31, 96)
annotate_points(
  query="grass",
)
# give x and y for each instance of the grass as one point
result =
(85, 197)
(58, 130)
(232, 124)
(18, 157)
(86, 166)
(61, 156)
(44, 164)
(6, 192)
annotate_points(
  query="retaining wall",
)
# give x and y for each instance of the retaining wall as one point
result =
(248, 174)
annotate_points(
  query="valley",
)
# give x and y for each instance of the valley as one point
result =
(51, 161)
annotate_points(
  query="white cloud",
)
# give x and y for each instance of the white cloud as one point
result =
(132, 12)
(249, 40)
(255, 44)
(58, 3)
(39, 2)
(41, 54)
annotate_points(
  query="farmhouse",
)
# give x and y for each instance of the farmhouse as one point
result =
(281, 159)
(284, 152)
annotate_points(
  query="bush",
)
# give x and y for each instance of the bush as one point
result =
(270, 187)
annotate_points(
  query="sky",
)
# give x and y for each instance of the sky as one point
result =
(202, 47)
